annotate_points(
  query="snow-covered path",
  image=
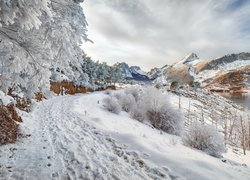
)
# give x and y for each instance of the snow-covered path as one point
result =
(64, 146)
(73, 137)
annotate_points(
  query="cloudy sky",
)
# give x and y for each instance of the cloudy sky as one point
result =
(153, 33)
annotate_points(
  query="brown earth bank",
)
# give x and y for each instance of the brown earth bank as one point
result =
(12, 112)
(64, 87)
(8, 127)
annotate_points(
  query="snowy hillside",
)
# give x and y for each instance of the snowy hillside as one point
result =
(73, 137)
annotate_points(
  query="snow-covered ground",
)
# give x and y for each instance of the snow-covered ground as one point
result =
(73, 137)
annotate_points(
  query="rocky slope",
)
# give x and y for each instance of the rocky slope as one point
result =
(156, 75)
(133, 73)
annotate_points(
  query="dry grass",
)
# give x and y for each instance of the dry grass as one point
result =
(12, 112)
(8, 127)
(39, 96)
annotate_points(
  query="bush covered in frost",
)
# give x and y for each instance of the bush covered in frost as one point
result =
(155, 107)
(138, 113)
(134, 92)
(127, 102)
(170, 120)
(205, 138)
(148, 105)
(111, 104)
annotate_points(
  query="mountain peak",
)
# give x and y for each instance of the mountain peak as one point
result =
(189, 58)
(133, 72)
(137, 70)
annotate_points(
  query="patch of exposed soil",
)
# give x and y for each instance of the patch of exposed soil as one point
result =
(8, 127)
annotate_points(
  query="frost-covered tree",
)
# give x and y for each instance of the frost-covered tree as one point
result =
(24, 13)
(100, 73)
(103, 73)
(18, 65)
(115, 74)
(36, 36)
(67, 31)
(89, 67)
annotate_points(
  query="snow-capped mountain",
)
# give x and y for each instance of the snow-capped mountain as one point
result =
(125, 70)
(133, 72)
(227, 72)
(183, 71)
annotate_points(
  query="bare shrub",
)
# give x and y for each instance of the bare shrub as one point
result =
(118, 95)
(134, 92)
(111, 104)
(127, 102)
(166, 118)
(170, 120)
(138, 114)
(151, 105)
(205, 138)
(155, 107)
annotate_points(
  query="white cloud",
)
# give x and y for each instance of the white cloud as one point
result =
(154, 33)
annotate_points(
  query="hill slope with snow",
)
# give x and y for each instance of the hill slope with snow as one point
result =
(73, 137)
